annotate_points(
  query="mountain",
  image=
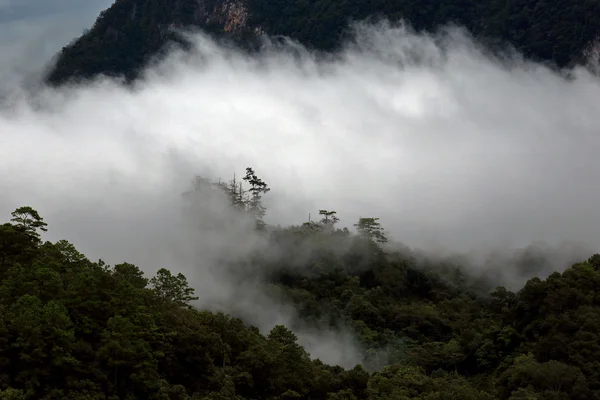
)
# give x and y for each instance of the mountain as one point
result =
(131, 32)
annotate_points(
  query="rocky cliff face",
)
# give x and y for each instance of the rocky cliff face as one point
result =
(229, 15)
(232, 14)
(127, 34)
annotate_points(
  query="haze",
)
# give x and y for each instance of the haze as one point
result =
(452, 149)
(33, 31)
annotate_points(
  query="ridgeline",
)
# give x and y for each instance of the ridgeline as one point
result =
(130, 33)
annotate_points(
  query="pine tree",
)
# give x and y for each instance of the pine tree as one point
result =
(254, 204)
(371, 229)
(29, 221)
(329, 218)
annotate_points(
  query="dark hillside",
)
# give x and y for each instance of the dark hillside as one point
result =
(130, 32)
(71, 328)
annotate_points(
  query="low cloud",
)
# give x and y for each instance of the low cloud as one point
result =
(455, 151)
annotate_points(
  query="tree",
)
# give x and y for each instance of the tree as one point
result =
(12, 394)
(553, 379)
(126, 353)
(345, 394)
(329, 218)
(237, 194)
(173, 288)
(15, 246)
(20, 240)
(371, 229)
(524, 394)
(282, 335)
(257, 189)
(28, 220)
(70, 253)
(43, 336)
(131, 274)
(595, 261)
(234, 191)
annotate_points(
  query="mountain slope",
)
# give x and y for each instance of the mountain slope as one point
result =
(75, 329)
(127, 34)
(130, 32)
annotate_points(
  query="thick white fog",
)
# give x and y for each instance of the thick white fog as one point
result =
(452, 149)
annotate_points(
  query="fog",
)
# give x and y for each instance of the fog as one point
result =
(455, 151)
(33, 31)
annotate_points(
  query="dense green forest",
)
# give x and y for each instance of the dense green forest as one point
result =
(71, 328)
(131, 32)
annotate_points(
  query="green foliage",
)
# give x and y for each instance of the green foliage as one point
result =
(172, 288)
(329, 218)
(74, 329)
(257, 189)
(29, 221)
(370, 228)
(19, 240)
(241, 203)
(12, 394)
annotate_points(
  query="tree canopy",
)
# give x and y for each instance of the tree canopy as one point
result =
(71, 328)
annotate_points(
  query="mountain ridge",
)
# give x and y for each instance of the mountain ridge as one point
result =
(129, 33)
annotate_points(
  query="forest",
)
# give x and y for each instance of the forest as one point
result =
(73, 328)
(131, 33)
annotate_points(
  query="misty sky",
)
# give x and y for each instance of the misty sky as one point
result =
(32, 31)
(451, 150)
